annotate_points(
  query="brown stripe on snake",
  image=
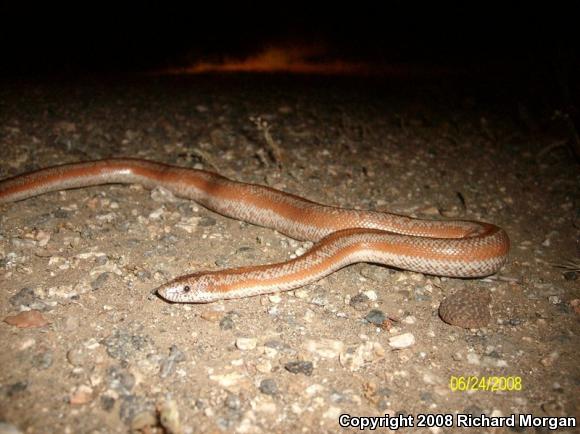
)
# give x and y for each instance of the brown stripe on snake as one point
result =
(344, 236)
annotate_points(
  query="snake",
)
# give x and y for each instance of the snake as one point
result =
(341, 236)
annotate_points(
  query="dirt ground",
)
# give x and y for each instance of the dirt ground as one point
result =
(114, 357)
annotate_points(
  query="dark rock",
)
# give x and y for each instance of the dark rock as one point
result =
(207, 221)
(474, 410)
(358, 298)
(62, 214)
(122, 345)
(185, 209)
(169, 239)
(132, 405)
(384, 392)
(100, 281)
(268, 386)
(24, 297)
(299, 367)
(120, 380)
(376, 316)
(144, 275)
(233, 402)
(273, 343)
(421, 295)
(107, 403)
(43, 360)
(570, 275)
(227, 323)
(360, 302)
(101, 260)
(14, 389)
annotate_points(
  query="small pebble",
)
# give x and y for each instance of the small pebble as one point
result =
(554, 299)
(100, 281)
(212, 315)
(233, 402)
(137, 411)
(319, 300)
(264, 366)
(227, 380)
(402, 341)
(246, 344)
(422, 294)
(120, 380)
(161, 195)
(227, 323)
(376, 317)
(575, 304)
(356, 358)
(325, 348)
(360, 302)
(473, 359)
(570, 275)
(268, 386)
(43, 360)
(275, 298)
(371, 295)
(143, 421)
(81, 395)
(207, 221)
(300, 293)
(107, 402)
(299, 367)
(360, 298)
(8, 428)
(29, 319)
(24, 297)
(169, 417)
(15, 389)
(124, 344)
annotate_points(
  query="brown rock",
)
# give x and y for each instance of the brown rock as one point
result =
(29, 319)
(81, 395)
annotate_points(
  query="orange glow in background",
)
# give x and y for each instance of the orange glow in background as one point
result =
(291, 59)
(304, 60)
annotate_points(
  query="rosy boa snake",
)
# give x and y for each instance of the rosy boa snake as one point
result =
(342, 236)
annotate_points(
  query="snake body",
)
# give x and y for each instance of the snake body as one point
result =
(343, 236)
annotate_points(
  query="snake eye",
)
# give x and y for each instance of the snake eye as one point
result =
(186, 288)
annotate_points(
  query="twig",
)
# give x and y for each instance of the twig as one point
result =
(264, 127)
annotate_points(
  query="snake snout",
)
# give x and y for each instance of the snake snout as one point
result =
(171, 291)
(187, 289)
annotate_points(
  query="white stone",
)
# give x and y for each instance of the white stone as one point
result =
(275, 298)
(402, 341)
(325, 348)
(372, 295)
(354, 358)
(246, 344)
(227, 380)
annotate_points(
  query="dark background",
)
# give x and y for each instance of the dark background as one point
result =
(38, 38)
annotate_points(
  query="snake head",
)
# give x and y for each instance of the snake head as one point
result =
(193, 288)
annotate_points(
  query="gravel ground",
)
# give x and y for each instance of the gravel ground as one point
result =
(100, 353)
